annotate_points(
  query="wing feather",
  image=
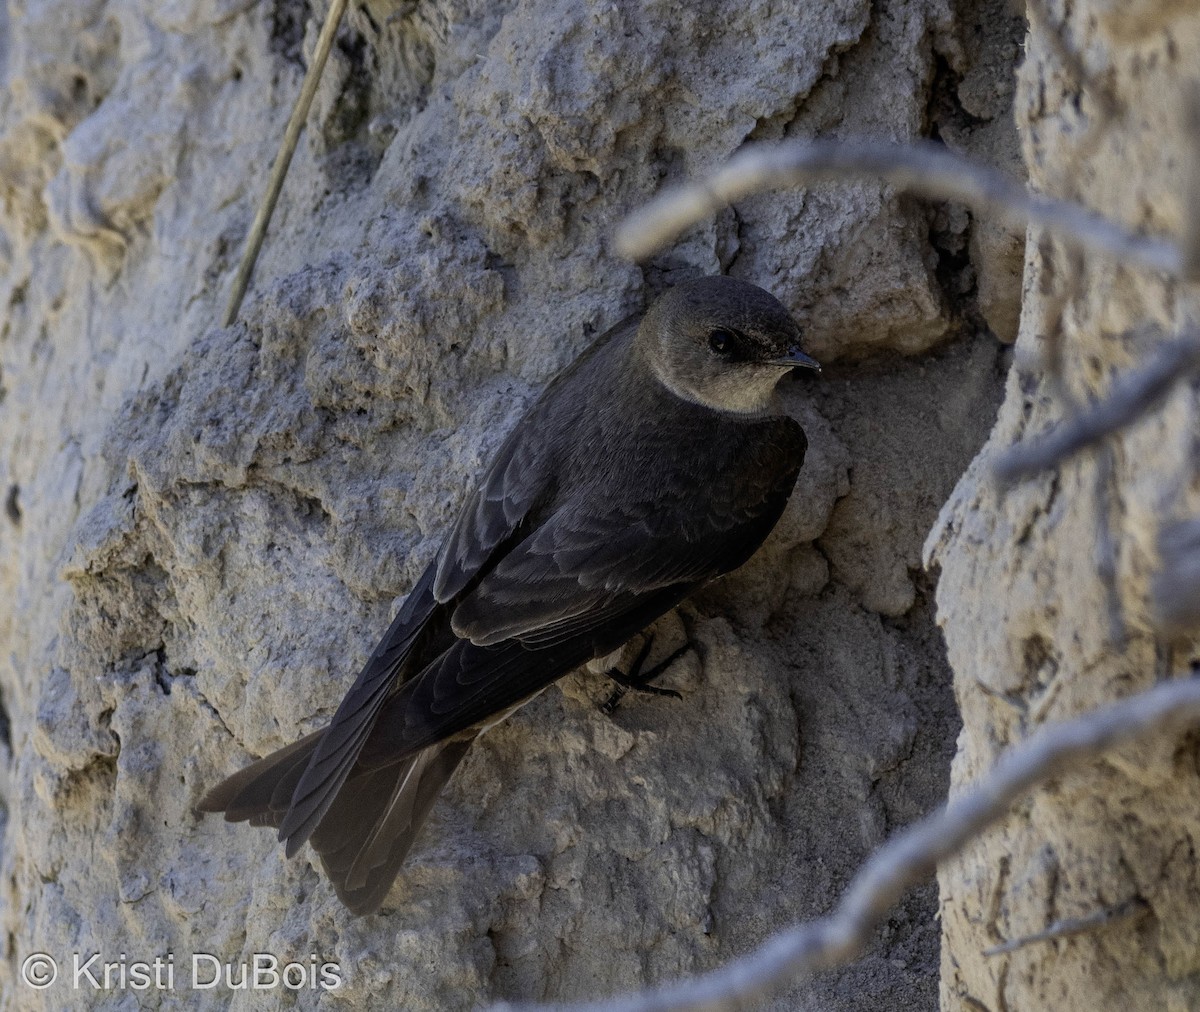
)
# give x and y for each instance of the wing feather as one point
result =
(335, 754)
(594, 551)
(567, 593)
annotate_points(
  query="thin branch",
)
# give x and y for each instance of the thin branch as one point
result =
(908, 859)
(291, 136)
(1131, 397)
(922, 168)
(1135, 906)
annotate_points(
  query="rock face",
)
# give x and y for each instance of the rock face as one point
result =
(207, 529)
(1022, 597)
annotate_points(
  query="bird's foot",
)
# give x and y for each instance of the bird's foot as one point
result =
(638, 680)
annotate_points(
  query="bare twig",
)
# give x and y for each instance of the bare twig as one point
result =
(1135, 906)
(1168, 708)
(1130, 398)
(291, 136)
(923, 168)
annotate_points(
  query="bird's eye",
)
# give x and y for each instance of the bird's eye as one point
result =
(721, 342)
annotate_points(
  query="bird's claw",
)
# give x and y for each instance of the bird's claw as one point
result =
(638, 680)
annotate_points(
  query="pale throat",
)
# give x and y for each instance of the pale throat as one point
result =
(751, 392)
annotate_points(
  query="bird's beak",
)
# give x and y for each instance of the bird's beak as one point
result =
(795, 358)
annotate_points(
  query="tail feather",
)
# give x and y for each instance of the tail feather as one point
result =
(370, 824)
(251, 792)
(364, 839)
(319, 785)
(396, 818)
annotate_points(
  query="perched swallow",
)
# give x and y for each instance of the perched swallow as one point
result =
(653, 464)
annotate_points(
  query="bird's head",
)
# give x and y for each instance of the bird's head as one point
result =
(721, 342)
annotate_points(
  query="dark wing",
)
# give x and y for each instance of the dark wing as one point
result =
(520, 478)
(314, 790)
(516, 482)
(595, 551)
(585, 581)
(469, 684)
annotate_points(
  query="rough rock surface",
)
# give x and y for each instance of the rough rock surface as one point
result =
(1021, 595)
(206, 529)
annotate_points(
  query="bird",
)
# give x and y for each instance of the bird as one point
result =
(656, 462)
